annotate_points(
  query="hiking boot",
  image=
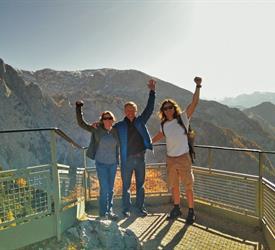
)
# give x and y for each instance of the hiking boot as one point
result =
(175, 212)
(190, 217)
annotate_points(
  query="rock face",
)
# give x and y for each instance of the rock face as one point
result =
(24, 106)
(109, 89)
(93, 234)
(46, 98)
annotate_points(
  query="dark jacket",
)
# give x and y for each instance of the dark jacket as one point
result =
(96, 134)
(139, 123)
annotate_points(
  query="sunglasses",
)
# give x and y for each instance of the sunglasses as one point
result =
(168, 107)
(107, 118)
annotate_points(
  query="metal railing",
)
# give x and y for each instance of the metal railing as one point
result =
(24, 193)
(246, 194)
(227, 190)
(48, 193)
(268, 213)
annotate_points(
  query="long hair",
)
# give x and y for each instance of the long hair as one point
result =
(177, 109)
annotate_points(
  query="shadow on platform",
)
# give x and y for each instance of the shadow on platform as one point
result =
(208, 232)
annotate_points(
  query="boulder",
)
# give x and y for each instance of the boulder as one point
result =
(92, 234)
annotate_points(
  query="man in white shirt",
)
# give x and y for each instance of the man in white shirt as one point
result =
(174, 127)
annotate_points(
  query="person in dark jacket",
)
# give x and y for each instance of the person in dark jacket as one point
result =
(134, 140)
(104, 149)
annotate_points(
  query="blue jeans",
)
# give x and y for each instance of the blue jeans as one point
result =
(137, 165)
(106, 175)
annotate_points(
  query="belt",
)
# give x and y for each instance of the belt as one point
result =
(140, 154)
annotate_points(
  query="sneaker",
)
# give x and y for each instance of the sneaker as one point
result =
(112, 216)
(126, 213)
(143, 212)
(175, 212)
(190, 218)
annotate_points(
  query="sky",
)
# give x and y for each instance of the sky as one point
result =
(230, 44)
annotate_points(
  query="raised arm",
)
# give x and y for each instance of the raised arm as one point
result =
(147, 112)
(79, 116)
(196, 97)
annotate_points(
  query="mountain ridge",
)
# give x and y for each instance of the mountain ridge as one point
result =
(244, 101)
(109, 89)
(264, 114)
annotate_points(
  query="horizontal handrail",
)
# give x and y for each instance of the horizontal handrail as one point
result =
(28, 169)
(224, 172)
(230, 148)
(57, 131)
(226, 148)
(67, 138)
(26, 130)
(269, 183)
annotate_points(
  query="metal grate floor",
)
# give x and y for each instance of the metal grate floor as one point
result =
(156, 232)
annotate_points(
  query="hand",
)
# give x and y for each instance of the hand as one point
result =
(95, 124)
(79, 103)
(198, 81)
(152, 84)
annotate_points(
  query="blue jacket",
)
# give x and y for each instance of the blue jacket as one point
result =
(139, 123)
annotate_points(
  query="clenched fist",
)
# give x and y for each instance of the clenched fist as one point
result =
(198, 81)
(79, 103)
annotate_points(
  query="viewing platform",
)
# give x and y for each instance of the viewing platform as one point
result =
(40, 202)
(210, 231)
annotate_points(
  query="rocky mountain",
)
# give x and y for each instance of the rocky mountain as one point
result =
(249, 100)
(46, 98)
(25, 106)
(264, 114)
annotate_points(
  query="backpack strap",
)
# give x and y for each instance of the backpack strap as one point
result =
(162, 124)
(180, 122)
(190, 140)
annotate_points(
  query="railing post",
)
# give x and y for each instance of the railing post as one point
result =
(210, 159)
(85, 175)
(56, 186)
(260, 201)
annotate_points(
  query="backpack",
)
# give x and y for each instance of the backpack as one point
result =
(190, 137)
